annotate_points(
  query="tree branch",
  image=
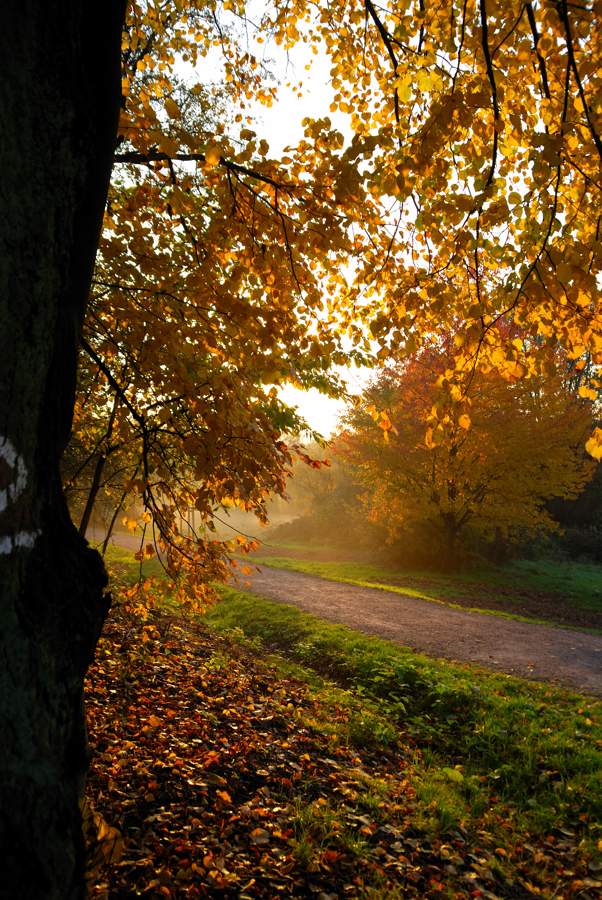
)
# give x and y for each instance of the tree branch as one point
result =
(491, 76)
(564, 16)
(121, 394)
(460, 48)
(542, 63)
(134, 156)
(384, 35)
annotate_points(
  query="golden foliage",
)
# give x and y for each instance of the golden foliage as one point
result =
(477, 161)
(470, 194)
(524, 446)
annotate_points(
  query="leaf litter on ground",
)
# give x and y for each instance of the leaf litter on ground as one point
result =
(216, 774)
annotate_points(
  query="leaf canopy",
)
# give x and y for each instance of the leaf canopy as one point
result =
(468, 197)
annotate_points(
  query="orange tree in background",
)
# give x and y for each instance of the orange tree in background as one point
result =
(524, 446)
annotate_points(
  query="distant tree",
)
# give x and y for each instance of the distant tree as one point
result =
(323, 500)
(523, 446)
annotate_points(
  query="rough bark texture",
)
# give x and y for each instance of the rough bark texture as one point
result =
(59, 105)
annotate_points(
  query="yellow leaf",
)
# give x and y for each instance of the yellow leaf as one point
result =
(168, 146)
(172, 109)
(212, 155)
(464, 421)
(210, 778)
(260, 836)
(594, 445)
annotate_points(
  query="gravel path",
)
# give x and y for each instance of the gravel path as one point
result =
(532, 651)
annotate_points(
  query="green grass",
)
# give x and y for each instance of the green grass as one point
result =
(491, 745)
(579, 584)
(122, 562)
(505, 731)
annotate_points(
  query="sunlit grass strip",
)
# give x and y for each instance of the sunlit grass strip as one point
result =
(578, 582)
(491, 744)
(329, 572)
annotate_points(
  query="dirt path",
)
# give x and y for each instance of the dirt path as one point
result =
(128, 541)
(532, 651)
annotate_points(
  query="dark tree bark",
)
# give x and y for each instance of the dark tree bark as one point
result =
(59, 105)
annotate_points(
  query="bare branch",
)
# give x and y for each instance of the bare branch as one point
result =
(134, 156)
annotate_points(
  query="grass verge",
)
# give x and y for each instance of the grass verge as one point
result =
(121, 562)
(488, 741)
(548, 593)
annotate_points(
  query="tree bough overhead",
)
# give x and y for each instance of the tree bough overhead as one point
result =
(469, 194)
(479, 125)
(205, 296)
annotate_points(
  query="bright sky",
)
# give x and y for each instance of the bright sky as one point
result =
(280, 125)
(319, 411)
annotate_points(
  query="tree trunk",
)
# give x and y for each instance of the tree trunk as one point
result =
(113, 520)
(59, 106)
(92, 494)
(449, 541)
(104, 450)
